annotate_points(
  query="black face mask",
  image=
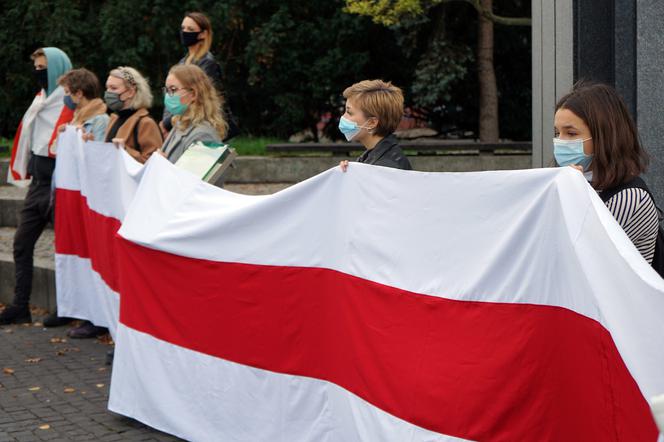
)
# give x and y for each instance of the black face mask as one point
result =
(189, 38)
(41, 76)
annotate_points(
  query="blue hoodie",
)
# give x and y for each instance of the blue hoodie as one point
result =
(58, 64)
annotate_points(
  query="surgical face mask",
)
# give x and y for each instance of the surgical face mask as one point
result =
(69, 102)
(41, 75)
(189, 38)
(569, 152)
(349, 128)
(174, 105)
(113, 101)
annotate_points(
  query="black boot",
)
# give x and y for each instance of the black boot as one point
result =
(86, 330)
(53, 320)
(14, 314)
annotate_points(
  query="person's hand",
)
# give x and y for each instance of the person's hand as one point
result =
(87, 136)
(343, 165)
(164, 132)
(118, 143)
(576, 167)
(62, 128)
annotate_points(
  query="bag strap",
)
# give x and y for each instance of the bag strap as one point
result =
(137, 145)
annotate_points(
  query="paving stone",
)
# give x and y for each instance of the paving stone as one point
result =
(76, 416)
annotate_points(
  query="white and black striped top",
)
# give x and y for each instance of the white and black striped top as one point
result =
(636, 212)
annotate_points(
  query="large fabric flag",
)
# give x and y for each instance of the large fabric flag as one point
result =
(95, 182)
(39, 125)
(385, 305)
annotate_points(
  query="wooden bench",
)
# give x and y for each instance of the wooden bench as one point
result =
(426, 147)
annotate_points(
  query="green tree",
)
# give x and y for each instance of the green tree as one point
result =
(445, 64)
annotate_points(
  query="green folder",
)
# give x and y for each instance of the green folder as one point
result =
(204, 159)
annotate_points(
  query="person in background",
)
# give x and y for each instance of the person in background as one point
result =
(33, 155)
(196, 36)
(81, 88)
(195, 105)
(595, 134)
(373, 111)
(129, 97)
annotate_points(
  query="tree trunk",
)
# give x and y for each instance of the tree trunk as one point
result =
(487, 77)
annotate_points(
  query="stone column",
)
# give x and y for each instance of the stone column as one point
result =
(650, 88)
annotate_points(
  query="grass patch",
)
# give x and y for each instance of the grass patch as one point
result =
(5, 147)
(249, 145)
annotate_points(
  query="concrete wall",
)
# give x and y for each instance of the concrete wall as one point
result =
(295, 169)
(553, 70)
(650, 88)
(619, 42)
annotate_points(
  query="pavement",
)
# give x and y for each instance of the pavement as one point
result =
(53, 388)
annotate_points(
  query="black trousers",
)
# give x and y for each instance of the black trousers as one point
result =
(36, 214)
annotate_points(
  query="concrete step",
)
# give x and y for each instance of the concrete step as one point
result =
(43, 283)
(43, 279)
(272, 169)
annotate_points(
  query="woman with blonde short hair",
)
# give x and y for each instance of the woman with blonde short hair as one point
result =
(129, 97)
(195, 104)
(373, 111)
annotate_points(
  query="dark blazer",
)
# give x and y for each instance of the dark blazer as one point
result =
(386, 153)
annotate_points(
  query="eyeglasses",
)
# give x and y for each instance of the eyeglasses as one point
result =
(173, 90)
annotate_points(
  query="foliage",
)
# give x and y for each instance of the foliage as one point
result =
(284, 63)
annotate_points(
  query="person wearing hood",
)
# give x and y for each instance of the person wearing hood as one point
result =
(33, 156)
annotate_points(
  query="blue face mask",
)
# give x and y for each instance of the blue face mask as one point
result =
(350, 129)
(69, 102)
(569, 152)
(174, 105)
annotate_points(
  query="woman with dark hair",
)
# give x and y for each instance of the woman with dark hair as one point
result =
(196, 36)
(596, 135)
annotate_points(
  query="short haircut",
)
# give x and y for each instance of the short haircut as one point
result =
(81, 80)
(618, 155)
(38, 53)
(380, 99)
(133, 79)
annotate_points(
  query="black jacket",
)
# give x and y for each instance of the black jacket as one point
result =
(386, 153)
(210, 67)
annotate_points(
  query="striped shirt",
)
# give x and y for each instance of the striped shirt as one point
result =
(636, 212)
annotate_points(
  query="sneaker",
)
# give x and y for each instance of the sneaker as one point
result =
(13, 314)
(53, 320)
(86, 330)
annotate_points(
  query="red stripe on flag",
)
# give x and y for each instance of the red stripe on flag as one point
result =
(65, 117)
(85, 233)
(482, 371)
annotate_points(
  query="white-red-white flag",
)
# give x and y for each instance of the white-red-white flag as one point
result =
(382, 304)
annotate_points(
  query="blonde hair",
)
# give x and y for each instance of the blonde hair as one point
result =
(208, 102)
(133, 79)
(379, 99)
(38, 53)
(204, 45)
